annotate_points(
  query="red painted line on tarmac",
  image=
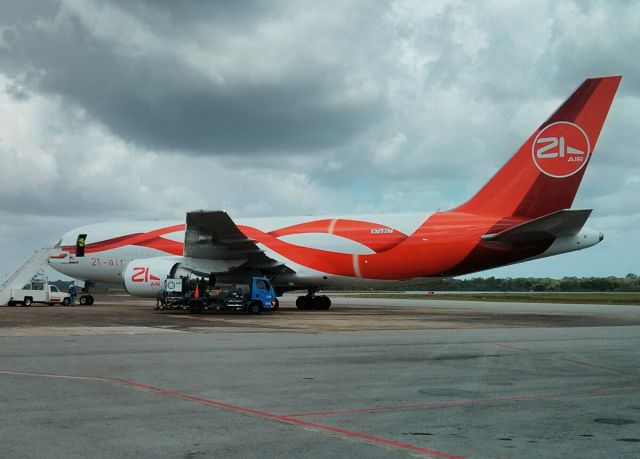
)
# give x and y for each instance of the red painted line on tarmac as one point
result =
(485, 401)
(193, 398)
(372, 438)
(589, 364)
(242, 409)
(579, 362)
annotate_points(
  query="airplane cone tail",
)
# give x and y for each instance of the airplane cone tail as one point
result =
(545, 173)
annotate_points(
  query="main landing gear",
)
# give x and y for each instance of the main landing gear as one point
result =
(311, 301)
(86, 299)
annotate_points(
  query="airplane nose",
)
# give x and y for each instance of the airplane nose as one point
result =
(601, 237)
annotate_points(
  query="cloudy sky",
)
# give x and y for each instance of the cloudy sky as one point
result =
(135, 109)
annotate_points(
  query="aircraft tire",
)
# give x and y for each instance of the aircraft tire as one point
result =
(326, 302)
(317, 303)
(301, 303)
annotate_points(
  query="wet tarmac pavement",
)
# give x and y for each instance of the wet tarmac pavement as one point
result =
(365, 379)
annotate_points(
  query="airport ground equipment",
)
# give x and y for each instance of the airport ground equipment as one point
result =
(39, 291)
(190, 294)
(24, 273)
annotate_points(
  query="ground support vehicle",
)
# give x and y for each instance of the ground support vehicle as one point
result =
(39, 291)
(182, 293)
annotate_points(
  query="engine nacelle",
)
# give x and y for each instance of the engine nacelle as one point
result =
(145, 277)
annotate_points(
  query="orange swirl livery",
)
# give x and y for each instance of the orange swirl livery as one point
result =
(522, 213)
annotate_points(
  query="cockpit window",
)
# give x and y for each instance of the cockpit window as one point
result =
(59, 243)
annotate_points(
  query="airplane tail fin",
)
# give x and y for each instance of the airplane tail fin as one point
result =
(545, 173)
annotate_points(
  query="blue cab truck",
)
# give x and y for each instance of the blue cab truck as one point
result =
(182, 294)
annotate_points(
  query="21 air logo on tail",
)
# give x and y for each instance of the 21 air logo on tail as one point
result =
(561, 149)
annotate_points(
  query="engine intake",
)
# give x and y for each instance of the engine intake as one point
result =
(145, 277)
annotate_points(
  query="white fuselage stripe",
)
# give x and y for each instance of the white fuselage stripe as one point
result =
(356, 266)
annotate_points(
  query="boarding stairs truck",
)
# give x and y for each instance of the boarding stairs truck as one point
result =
(24, 273)
(253, 298)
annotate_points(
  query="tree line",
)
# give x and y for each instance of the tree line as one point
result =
(629, 283)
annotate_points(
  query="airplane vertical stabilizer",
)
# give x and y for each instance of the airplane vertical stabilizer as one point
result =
(545, 173)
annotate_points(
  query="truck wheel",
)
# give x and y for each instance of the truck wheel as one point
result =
(91, 300)
(195, 307)
(27, 302)
(255, 307)
(84, 300)
(66, 301)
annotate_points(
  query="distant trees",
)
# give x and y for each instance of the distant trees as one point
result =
(629, 283)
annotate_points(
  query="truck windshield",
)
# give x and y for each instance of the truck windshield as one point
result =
(262, 284)
(54, 288)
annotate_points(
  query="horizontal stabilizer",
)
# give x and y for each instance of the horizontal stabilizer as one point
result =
(551, 226)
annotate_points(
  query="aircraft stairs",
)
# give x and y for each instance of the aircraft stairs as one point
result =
(24, 273)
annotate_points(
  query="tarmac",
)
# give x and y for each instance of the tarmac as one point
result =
(368, 378)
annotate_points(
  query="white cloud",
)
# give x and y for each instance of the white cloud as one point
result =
(422, 102)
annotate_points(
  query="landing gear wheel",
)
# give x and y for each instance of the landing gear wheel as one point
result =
(317, 302)
(304, 303)
(27, 302)
(255, 308)
(66, 301)
(326, 303)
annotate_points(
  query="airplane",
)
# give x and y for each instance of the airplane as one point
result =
(522, 213)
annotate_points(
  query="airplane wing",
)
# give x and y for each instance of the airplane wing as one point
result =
(213, 235)
(557, 224)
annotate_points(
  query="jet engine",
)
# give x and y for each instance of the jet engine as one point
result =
(145, 277)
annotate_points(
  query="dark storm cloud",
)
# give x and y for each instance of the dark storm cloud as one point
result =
(24, 11)
(189, 12)
(161, 103)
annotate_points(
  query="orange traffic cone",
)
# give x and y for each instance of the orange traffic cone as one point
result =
(196, 293)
